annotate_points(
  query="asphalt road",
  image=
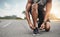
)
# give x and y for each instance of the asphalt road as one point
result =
(20, 28)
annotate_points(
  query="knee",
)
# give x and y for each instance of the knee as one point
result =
(34, 10)
(34, 7)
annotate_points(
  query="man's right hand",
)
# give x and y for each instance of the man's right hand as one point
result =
(31, 26)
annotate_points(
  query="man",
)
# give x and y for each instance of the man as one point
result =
(36, 9)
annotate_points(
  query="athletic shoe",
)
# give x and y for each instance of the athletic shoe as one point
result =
(35, 31)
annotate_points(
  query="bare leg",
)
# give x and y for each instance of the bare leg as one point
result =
(34, 14)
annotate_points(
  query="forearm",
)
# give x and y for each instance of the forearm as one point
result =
(46, 16)
(28, 17)
(48, 8)
(27, 11)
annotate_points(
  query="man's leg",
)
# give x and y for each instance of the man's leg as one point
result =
(34, 14)
(34, 17)
(41, 17)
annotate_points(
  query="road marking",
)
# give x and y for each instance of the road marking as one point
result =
(6, 24)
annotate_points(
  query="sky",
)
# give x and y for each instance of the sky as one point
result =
(12, 7)
(56, 8)
(16, 7)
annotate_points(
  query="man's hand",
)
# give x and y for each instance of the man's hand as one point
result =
(31, 25)
(42, 26)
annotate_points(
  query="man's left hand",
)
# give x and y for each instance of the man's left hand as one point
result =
(42, 26)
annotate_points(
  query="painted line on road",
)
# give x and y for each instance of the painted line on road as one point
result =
(6, 24)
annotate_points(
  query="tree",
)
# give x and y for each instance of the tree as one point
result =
(23, 12)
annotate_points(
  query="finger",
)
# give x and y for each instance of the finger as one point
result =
(42, 26)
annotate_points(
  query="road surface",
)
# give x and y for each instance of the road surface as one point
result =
(20, 28)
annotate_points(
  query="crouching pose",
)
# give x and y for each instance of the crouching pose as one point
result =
(39, 9)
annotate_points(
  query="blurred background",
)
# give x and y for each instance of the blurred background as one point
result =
(15, 9)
